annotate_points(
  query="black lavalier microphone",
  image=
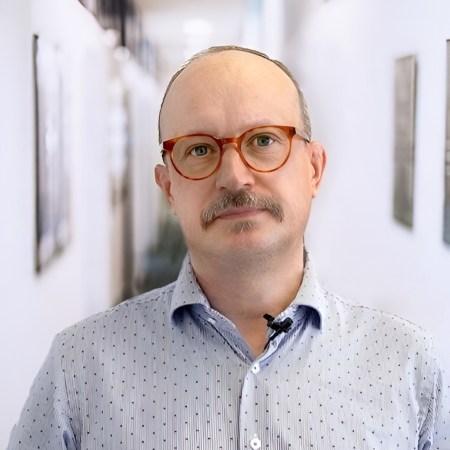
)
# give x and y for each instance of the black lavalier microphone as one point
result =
(279, 327)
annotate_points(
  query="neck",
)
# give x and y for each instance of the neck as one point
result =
(244, 289)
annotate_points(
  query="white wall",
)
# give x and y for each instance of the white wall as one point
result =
(79, 282)
(343, 53)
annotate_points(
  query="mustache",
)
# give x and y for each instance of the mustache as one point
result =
(240, 199)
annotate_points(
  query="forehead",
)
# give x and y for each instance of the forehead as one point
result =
(228, 92)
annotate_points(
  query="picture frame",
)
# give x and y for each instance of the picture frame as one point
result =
(51, 159)
(404, 135)
(446, 221)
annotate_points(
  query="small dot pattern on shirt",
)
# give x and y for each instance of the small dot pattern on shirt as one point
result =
(165, 371)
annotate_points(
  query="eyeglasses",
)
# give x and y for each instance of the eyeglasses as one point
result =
(263, 149)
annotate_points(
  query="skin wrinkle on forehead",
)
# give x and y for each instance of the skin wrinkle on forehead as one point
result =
(235, 77)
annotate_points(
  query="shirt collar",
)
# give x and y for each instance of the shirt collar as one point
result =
(311, 293)
(188, 292)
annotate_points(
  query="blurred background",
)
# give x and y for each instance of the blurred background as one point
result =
(82, 225)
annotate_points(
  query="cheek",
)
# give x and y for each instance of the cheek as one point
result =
(187, 203)
(298, 198)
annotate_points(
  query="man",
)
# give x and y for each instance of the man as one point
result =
(245, 350)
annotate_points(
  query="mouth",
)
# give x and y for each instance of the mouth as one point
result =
(239, 213)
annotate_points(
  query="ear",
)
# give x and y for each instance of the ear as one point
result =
(318, 159)
(162, 179)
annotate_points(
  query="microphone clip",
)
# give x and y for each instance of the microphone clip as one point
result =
(279, 327)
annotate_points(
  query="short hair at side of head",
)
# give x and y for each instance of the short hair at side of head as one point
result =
(306, 131)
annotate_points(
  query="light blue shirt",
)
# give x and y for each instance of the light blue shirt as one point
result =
(165, 371)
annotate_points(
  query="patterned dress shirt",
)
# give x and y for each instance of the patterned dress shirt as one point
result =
(166, 371)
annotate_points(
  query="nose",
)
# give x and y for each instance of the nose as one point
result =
(233, 174)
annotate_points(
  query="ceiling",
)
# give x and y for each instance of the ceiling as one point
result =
(179, 28)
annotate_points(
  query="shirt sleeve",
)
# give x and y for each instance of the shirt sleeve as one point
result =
(441, 440)
(435, 433)
(45, 421)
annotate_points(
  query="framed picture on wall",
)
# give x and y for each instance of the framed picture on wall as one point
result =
(52, 183)
(404, 116)
(90, 5)
(446, 234)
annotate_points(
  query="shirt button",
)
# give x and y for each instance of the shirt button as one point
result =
(255, 443)
(255, 369)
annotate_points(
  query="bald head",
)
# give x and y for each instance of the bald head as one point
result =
(224, 72)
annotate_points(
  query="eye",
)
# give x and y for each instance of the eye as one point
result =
(199, 150)
(262, 140)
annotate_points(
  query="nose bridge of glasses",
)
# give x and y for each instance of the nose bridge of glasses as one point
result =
(232, 142)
